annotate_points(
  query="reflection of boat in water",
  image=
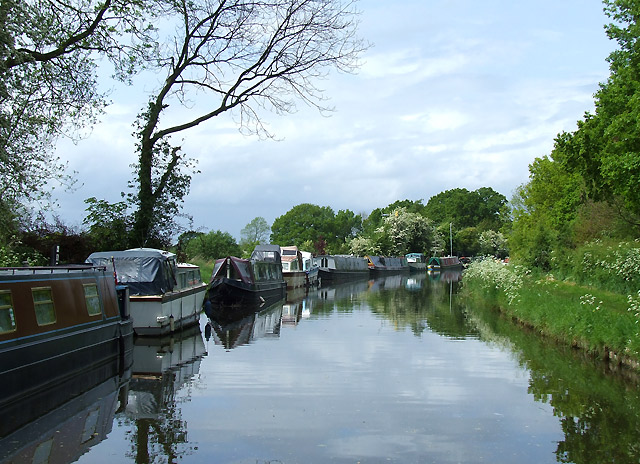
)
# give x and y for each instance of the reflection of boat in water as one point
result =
(54, 323)
(444, 263)
(161, 368)
(155, 356)
(415, 281)
(264, 324)
(450, 275)
(165, 295)
(64, 422)
(387, 282)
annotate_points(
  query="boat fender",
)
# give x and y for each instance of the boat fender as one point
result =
(171, 323)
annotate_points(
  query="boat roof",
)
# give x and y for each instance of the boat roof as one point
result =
(267, 253)
(134, 252)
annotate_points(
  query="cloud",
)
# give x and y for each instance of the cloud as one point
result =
(452, 94)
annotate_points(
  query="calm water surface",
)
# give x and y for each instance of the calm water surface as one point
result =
(393, 370)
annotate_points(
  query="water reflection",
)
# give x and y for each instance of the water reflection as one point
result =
(63, 423)
(232, 334)
(599, 410)
(399, 369)
(162, 367)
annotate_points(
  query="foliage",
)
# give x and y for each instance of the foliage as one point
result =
(376, 218)
(605, 149)
(48, 80)
(318, 224)
(592, 319)
(43, 236)
(242, 57)
(483, 208)
(109, 224)
(493, 243)
(467, 242)
(212, 246)
(255, 233)
(401, 232)
(612, 265)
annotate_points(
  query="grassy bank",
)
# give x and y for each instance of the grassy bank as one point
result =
(602, 322)
(206, 268)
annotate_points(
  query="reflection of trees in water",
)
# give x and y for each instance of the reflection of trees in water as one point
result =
(159, 434)
(164, 369)
(422, 304)
(599, 410)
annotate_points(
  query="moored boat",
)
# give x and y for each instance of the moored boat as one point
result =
(298, 268)
(292, 267)
(341, 267)
(165, 295)
(387, 264)
(244, 285)
(57, 321)
(416, 262)
(440, 263)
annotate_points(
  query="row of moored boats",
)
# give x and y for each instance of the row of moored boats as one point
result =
(53, 319)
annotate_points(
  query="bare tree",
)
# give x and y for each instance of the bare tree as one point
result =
(241, 55)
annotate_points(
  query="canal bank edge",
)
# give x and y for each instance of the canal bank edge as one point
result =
(599, 323)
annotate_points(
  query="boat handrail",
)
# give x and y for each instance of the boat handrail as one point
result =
(23, 270)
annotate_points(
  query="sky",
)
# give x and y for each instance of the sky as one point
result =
(451, 94)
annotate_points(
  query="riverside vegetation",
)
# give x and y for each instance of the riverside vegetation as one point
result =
(594, 305)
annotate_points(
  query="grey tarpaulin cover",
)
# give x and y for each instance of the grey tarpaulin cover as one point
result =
(145, 271)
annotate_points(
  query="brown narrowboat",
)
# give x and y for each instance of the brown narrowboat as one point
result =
(56, 322)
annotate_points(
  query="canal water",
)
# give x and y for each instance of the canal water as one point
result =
(401, 369)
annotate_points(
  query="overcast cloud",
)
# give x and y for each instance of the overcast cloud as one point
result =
(452, 94)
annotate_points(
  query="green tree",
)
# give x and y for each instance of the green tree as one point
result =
(235, 56)
(109, 224)
(48, 80)
(304, 222)
(211, 246)
(255, 233)
(605, 149)
(482, 208)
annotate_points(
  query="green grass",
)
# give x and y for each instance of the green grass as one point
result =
(206, 268)
(602, 322)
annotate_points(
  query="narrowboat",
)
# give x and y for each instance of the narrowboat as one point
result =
(440, 263)
(165, 296)
(379, 265)
(298, 268)
(332, 268)
(55, 322)
(416, 261)
(241, 285)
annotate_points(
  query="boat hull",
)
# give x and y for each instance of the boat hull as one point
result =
(86, 328)
(233, 299)
(163, 314)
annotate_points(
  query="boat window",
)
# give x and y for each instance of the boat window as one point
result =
(7, 317)
(92, 299)
(43, 304)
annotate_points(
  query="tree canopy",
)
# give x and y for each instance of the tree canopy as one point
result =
(48, 79)
(317, 225)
